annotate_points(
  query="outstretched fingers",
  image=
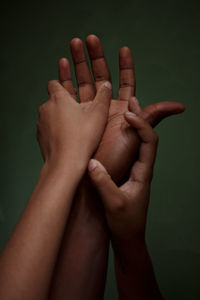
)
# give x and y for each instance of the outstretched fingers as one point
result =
(83, 76)
(142, 170)
(98, 62)
(65, 76)
(155, 113)
(127, 74)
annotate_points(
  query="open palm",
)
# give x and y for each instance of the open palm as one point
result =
(119, 143)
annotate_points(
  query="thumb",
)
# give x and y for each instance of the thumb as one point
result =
(155, 113)
(103, 97)
(103, 183)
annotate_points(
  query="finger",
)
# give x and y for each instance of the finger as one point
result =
(65, 76)
(99, 66)
(155, 113)
(134, 106)
(102, 100)
(83, 76)
(143, 168)
(127, 75)
(106, 188)
(54, 86)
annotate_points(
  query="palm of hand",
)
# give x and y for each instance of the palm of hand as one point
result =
(119, 142)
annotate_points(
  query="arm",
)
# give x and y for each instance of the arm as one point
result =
(80, 271)
(126, 211)
(27, 262)
(82, 259)
(86, 229)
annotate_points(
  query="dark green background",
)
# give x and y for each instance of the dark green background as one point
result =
(165, 40)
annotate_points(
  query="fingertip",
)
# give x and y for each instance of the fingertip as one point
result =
(125, 58)
(108, 85)
(77, 50)
(134, 106)
(124, 50)
(63, 61)
(181, 107)
(76, 42)
(174, 107)
(92, 38)
(135, 100)
(94, 46)
(64, 68)
(105, 89)
(135, 120)
(130, 115)
(92, 165)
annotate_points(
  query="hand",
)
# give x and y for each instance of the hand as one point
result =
(126, 206)
(119, 144)
(68, 131)
(126, 211)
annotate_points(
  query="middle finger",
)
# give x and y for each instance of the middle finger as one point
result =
(83, 76)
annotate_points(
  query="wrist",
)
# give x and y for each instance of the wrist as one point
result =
(133, 249)
(72, 169)
(60, 175)
(88, 210)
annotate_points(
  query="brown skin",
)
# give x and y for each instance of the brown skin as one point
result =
(126, 211)
(119, 144)
(87, 229)
(28, 259)
(61, 109)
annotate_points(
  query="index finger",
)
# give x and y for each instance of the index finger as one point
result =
(143, 168)
(54, 86)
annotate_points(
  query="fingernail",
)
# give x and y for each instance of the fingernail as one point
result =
(92, 165)
(108, 85)
(130, 114)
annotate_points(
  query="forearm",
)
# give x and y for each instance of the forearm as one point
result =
(82, 262)
(134, 272)
(28, 259)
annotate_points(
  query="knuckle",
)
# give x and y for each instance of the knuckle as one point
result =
(118, 206)
(104, 90)
(101, 177)
(58, 95)
(40, 109)
(154, 138)
(102, 107)
(43, 107)
(50, 82)
(100, 78)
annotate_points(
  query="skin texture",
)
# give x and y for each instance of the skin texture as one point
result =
(28, 259)
(126, 212)
(86, 234)
(63, 112)
(118, 140)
